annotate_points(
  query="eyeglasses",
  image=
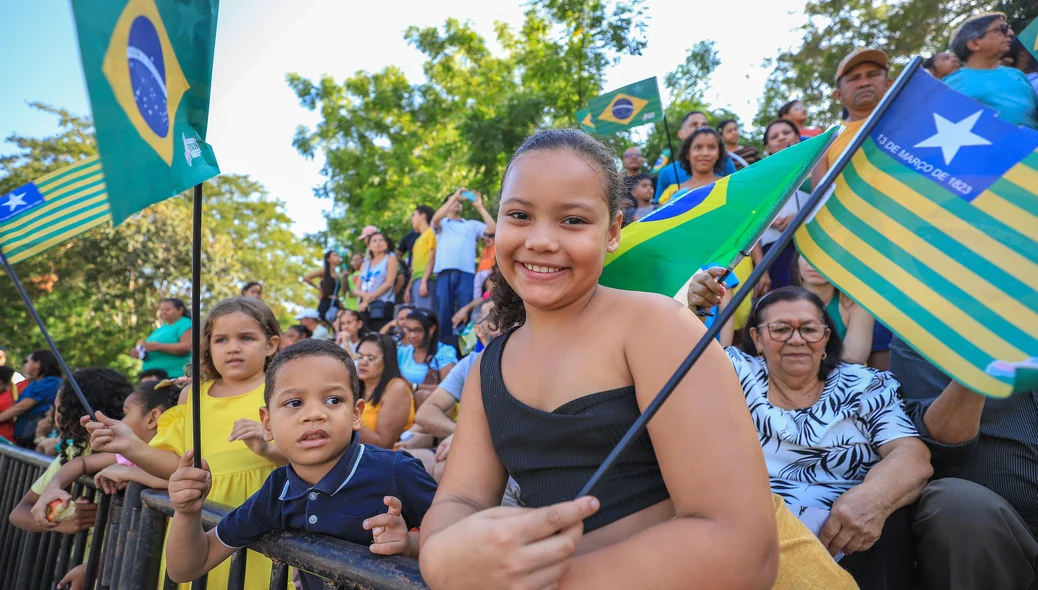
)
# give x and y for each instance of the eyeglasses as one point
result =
(632, 155)
(1001, 28)
(370, 358)
(782, 332)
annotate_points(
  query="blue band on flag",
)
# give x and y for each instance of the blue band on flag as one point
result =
(950, 139)
(18, 201)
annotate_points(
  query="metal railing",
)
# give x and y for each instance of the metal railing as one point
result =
(126, 548)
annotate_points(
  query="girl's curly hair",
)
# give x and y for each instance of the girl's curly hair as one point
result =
(105, 390)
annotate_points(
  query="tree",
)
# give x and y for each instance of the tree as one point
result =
(902, 28)
(98, 292)
(391, 144)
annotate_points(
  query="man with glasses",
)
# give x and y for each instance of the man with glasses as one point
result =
(980, 43)
(633, 162)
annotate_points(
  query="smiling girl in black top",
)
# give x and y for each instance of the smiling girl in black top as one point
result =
(688, 501)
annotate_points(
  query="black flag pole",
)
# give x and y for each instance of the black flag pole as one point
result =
(46, 335)
(196, 325)
(673, 154)
(817, 195)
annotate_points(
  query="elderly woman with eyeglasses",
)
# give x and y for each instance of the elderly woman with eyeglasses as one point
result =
(839, 447)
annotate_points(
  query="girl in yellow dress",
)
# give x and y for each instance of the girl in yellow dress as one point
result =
(239, 338)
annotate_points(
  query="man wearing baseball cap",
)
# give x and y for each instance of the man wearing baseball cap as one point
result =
(312, 320)
(862, 79)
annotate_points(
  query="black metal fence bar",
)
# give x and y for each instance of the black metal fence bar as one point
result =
(127, 540)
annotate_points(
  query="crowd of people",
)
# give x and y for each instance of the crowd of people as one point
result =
(449, 396)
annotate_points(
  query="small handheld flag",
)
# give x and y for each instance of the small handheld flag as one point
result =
(53, 209)
(633, 105)
(1029, 37)
(933, 227)
(662, 161)
(709, 225)
(148, 70)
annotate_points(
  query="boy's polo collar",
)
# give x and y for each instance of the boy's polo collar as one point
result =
(334, 481)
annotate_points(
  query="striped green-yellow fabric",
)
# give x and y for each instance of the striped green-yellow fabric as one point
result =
(75, 200)
(958, 280)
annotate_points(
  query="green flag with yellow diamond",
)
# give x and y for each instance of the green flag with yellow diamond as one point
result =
(148, 70)
(1029, 37)
(630, 106)
(584, 120)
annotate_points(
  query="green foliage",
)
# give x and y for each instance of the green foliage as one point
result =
(98, 293)
(902, 28)
(391, 144)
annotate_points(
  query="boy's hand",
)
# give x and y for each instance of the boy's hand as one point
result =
(388, 530)
(113, 478)
(108, 435)
(74, 579)
(40, 509)
(189, 486)
(251, 433)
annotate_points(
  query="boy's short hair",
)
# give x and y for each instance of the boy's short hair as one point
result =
(310, 348)
(425, 211)
(638, 178)
(156, 374)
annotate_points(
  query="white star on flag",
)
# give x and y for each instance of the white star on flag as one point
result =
(14, 201)
(952, 136)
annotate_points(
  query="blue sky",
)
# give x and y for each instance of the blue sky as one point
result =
(253, 114)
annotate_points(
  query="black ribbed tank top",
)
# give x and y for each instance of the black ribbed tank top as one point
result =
(553, 454)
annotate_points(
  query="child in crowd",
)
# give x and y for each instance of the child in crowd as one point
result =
(350, 330)
(333, 484)
(294, 334)
(642, 191)
(105, 390)
(141, 411)
(688, 500)
(239, 339)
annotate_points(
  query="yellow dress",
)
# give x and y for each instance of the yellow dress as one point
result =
(237, 472)
(803, 560)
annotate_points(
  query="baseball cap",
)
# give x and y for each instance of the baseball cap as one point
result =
(859, 56)
(308, 313)
(367, 232)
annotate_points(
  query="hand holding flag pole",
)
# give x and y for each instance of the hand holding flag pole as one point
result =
(816, 198)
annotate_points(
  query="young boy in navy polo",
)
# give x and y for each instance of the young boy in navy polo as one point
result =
(333, 484)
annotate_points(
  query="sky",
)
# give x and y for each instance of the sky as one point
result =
(253, 114)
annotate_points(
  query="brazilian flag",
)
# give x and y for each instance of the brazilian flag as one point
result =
(148, 69)
(662, 161)
(709, 225)
(584, 120)
(630, 106)
(1029, 37)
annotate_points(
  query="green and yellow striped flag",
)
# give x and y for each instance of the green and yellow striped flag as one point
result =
(53, 209)
(933, 227)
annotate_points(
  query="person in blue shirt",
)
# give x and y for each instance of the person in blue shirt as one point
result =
(44, 374)
(420, 351)
(455, 266)
(980, 43)
(692, 121)
(333, 485)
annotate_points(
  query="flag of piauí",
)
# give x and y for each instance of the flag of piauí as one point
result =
(53, 209)
(709, 225)
(630, 106)
(662, 161)
(148, 69)
(933, 227)
(1029, 37)
(584, 120)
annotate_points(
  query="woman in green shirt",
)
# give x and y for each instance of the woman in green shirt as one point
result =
(169, 346)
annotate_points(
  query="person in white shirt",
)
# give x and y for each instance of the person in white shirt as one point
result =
(455, 266)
